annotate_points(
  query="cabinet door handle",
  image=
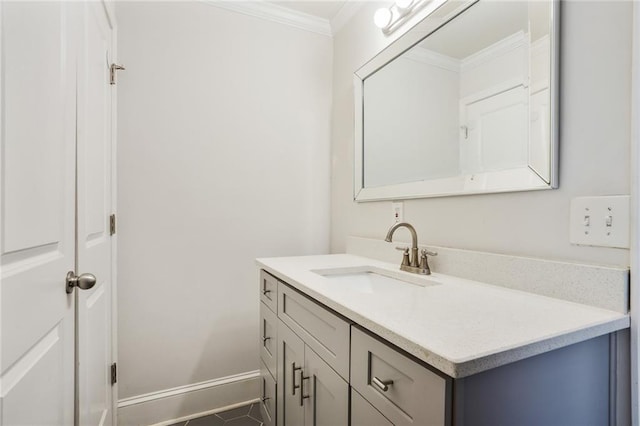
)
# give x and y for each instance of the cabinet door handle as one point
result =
(313, 401)
(302, 379)
(264, 333)
(264, 288)
(383, 385)
(293, 378)
(264, 397)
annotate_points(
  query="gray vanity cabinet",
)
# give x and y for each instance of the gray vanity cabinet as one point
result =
(331, 372)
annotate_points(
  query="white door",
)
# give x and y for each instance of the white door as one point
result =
(55, 182)
(94, 208)
(37, 180)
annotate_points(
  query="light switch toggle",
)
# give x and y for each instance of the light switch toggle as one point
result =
(608, 221)
(587, 221)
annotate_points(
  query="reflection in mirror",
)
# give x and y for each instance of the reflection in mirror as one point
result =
(467, 109)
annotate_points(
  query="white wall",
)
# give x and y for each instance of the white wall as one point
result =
(594, 157)
(224, 126)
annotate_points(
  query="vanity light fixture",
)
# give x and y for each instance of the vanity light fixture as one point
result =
(390, 18)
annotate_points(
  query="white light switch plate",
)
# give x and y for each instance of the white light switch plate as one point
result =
(600, 221)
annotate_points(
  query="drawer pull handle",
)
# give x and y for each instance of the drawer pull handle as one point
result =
(293, 378)
(302, 379)
(383, 385)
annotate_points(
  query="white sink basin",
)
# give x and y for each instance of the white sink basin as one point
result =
(367, 279)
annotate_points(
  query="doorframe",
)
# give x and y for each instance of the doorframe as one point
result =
(109, 8)
(634, 281)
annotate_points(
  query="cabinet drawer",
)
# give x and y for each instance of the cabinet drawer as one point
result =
(267, 397)
(364, 414)
(268, 338)
(414, 395)
(269, 290)
(326, 333)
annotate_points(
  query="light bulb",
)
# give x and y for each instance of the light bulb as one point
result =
(382, 18)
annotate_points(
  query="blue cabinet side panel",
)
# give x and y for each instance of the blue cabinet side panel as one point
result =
(565, 387)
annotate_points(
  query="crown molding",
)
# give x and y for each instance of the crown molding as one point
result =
(348, 10)
(275, 13)
(429, 57)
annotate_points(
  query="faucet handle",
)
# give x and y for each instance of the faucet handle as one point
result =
(424, 261)
(405, 256)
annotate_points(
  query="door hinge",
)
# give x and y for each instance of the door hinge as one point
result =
(112, 224)
(114, 374)
(112, 72)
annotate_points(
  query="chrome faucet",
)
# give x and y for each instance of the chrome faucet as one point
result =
(411, 263)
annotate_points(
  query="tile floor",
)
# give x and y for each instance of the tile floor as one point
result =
(249, 415)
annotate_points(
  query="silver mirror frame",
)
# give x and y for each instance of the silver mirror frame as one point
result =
(522, 179)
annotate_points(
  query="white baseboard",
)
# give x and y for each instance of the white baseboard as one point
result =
(186, 402)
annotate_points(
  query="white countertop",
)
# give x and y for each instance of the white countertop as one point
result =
(461, 327)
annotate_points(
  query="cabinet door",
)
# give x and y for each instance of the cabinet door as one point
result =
(325, 393)
(290, 362)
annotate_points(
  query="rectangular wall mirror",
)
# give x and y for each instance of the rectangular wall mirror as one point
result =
(465, 102)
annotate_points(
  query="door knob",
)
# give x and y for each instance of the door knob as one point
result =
(82, 281)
